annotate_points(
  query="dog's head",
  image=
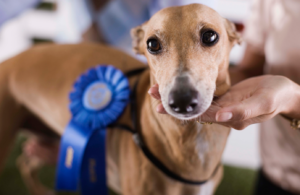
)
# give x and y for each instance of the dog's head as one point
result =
(188, 53)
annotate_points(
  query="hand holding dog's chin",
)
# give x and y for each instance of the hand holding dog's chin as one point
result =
(254, 100)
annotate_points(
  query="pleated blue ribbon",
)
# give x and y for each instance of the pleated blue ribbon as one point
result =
(98, 99)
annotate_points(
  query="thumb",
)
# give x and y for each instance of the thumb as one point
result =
(249, 108)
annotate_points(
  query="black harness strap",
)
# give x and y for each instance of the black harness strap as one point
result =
(158, 164)
(141, 144)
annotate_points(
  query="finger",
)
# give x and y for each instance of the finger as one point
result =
(160, 109)
(210, 114)
(154, 92)
(252, 107)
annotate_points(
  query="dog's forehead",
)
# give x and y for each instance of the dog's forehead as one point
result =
(184, 18)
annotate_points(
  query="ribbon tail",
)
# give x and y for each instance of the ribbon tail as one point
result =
(73, 144)
(93, 170)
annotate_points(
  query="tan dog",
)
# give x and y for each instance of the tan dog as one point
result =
(188, 53)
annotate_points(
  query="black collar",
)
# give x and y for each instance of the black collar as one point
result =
(141, 144)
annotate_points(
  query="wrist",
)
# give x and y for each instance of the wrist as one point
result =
(292, 98)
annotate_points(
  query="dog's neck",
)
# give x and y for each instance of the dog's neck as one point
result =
(189, 148)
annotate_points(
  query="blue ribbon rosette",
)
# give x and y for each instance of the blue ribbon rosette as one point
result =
(99, 97)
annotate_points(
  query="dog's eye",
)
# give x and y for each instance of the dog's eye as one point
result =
(153, 46)
(209, 38)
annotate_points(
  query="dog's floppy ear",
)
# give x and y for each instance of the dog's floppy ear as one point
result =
(137, 35)
(233, 35)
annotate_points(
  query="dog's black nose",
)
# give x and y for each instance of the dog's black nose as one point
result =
(183, 98)
(183, 101)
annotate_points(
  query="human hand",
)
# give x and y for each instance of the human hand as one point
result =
(251, 101)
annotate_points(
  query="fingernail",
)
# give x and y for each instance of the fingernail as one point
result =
(224, 116)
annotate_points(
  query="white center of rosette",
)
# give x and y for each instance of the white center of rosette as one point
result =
(97, 96)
